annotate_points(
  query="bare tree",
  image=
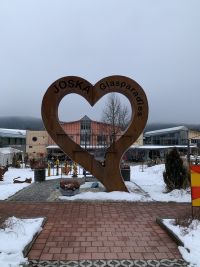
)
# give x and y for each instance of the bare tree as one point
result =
(116, 114)
(124, 117)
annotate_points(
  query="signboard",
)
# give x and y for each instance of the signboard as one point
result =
(195, 185)
(109, 173)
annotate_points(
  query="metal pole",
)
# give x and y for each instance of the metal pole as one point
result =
(188, 153)
(61, 169)
(189, 171)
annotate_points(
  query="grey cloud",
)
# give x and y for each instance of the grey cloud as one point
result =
(154, 42)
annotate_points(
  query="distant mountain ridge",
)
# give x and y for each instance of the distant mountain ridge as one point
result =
(31, 123)
(24, 123)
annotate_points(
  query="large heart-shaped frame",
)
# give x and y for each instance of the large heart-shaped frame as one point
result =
(109, 175)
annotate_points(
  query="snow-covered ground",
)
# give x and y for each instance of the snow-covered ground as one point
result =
(143, 180)
(147, 180)
(14, 237)
(150, 179)
(7, 187)
(190, 236)
(134, 195)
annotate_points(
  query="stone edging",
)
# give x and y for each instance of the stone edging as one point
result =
(170, 232)
(28, 247)
(109, 263)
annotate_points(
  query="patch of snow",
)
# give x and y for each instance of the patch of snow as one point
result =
(13, 131)
(9, 150)
(190, 236)
(89, 184)
(151, 181)
(8, 188)
(112, 196)
(166, 130)
(17, 234)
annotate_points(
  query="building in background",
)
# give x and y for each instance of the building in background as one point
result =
(13, 138)
(173, 136)
(94, 136)
(194, 137)
(159, 142)
(7, 154)
(36, 143)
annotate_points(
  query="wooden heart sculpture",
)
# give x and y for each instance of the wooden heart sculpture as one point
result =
(109, 175)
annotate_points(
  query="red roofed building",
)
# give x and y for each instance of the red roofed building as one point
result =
(92, 135)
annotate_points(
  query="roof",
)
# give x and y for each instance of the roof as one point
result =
(53, 146)
(85, 118)
(15, 133)
(83, 146)
(166, 130)
(152, 147)
(9, 150)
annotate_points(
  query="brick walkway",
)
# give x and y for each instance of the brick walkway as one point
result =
(83, 230)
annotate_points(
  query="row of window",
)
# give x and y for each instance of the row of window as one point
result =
(95, 140)
(178, 138)
(6, 141)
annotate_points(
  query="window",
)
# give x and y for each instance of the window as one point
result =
(12, 141)
(195, 141)
(85, 125)
(85, 139)
(101, 139)
(34, 139)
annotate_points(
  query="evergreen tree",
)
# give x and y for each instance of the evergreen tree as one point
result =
(175, 175)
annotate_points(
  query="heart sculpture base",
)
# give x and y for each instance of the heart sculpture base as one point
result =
(109, 174)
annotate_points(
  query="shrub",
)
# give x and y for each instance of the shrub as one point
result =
(175, 175)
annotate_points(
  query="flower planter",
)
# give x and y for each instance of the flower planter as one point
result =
(69, 192)
(69, 187)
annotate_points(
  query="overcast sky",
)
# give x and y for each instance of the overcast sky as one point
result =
(156, 43)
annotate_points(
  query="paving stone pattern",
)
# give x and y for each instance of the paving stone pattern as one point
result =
(79, 231)
(110, 263)
(40, 191)
(45, 191)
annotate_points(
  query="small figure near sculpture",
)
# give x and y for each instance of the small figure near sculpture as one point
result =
(75, 170)
(66, 169)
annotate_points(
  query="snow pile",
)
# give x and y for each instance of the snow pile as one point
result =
(8, 188)
(16, 235)
(150, 179)
(135, 194)
(146, 185)
(190, 236)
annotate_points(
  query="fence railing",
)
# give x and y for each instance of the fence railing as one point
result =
(96, 144)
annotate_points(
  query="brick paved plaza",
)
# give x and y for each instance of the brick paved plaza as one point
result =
(99, 230)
